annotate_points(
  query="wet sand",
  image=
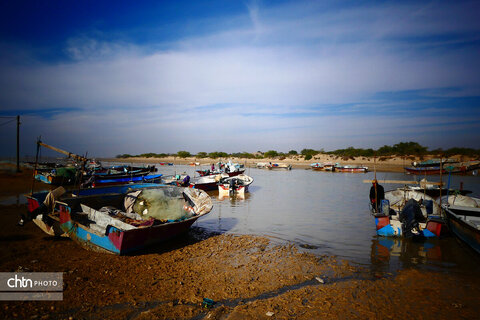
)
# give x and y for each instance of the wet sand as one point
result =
(248, 276)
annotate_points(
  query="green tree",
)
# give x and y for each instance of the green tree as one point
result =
(270, 154)
(126, 155)
(202, 155)
(183, 154)
(292, 152)
(217, 154)
(306, 152)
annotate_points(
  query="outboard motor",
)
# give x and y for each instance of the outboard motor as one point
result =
(410, 216)
(233, 186)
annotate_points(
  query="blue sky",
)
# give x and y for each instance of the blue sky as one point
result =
(162, 76)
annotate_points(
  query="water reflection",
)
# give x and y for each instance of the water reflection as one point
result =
(235, 199)
(398, 253)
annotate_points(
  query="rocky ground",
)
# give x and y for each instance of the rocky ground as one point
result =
(248, 277)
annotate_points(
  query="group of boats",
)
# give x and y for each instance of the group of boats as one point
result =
(106, 209)
(122, 209)
(273, 166)
(337, 167)
(90, 173)
(442, 166)
(425, 210)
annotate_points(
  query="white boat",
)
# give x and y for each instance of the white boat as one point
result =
(234, 185)
(277, 166)
(463, 216)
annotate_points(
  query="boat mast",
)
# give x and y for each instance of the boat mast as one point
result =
(69, 154)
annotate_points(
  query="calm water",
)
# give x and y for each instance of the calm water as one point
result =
(329, 214)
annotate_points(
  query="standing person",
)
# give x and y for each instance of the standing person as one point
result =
(213, 167)
(377, 194)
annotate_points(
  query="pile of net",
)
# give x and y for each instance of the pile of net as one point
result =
(156, 204)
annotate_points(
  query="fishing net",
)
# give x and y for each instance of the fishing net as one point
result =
(156, 204)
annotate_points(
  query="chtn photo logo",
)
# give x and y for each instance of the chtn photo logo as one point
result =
(17, 282)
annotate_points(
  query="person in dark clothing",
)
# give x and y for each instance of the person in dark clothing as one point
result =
(186, 181)
(377, 194)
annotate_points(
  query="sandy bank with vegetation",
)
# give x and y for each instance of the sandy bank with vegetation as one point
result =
(382, 164)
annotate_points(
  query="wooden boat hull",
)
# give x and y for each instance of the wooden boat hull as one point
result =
(50, 224)
(149, 178)
(204, 186)
(469, 233)
(119, 241)
(424, 170)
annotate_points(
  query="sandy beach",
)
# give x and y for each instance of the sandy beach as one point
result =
(248, 277)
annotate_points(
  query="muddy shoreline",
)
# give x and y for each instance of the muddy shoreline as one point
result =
(249, 277)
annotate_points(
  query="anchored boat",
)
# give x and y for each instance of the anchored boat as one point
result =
(120, 219)
(463, 216)
(237, 185)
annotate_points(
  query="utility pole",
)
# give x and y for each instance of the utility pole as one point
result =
(18, 143)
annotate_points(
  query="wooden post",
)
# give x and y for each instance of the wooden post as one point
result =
(375, 178)
(36, 162)
(441, 181)
(18, 143)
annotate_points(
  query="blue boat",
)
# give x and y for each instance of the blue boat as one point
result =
(147, 178)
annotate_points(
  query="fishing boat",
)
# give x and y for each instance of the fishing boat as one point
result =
(405, 212)
(434, 163)
(351, 168)
(463, 216)
(208, 172)
(317, 166)
(106, 180)
(425, 170)
(234, 185)
(435, 191)
(435, 167)
(207, 183)
(122, 220)
(329, 167)
(279, 166)
(57, 176)
(323, 166)
(41, 205)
